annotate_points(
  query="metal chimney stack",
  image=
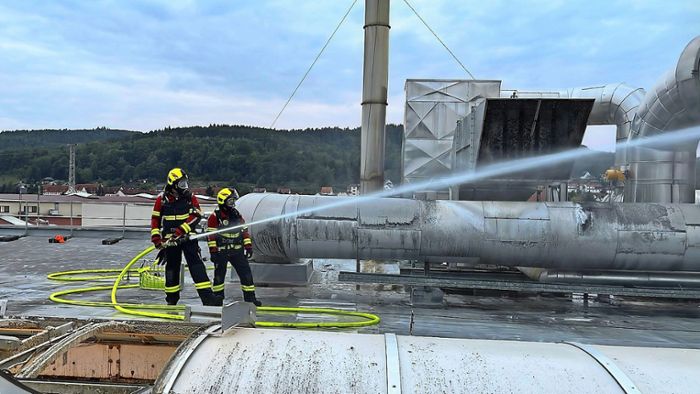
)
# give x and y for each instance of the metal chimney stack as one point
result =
(375, 83)
(71, 170)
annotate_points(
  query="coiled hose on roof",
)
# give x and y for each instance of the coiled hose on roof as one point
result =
(176, 312)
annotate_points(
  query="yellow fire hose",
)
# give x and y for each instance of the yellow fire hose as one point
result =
(175, 312)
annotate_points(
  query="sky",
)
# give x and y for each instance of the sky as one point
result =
(144, 64)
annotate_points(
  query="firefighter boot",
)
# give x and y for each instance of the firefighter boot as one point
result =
(209, 298)
(249, 296)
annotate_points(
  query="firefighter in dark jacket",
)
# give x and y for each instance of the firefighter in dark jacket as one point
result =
(233, 246)
(175, 214)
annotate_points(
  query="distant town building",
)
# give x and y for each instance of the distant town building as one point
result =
(199, 190)
(55, 190)
(284, 190)
(77, 210)
(353, 190)
(327, 191)
(259, 190)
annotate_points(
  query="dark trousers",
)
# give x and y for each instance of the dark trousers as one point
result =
(240, 264)
(197, 269)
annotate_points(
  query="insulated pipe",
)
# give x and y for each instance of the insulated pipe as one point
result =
(660, 279)
(561, 235)
(615, 104)
(674, 103)
(375, 82)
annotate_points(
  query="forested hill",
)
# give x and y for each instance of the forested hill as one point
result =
(301, 159)
(219, 155)
(36, 138)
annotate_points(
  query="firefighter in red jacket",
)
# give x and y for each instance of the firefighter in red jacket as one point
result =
(175, 214)
(233, 246)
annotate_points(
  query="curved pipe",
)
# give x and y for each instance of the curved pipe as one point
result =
(674, 103)
(615, 104)
(566, 236)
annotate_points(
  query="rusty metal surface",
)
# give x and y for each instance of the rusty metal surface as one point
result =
(39, 363)
(111, 361)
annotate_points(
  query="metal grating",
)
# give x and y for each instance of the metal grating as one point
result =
(506, 129)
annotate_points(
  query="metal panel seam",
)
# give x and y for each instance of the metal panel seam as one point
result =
(184, 357)
(626, 384)
(393, 364)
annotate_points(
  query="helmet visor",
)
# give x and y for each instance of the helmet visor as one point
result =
(182, 184)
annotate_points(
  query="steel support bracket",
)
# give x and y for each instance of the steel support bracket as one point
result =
(235, 314)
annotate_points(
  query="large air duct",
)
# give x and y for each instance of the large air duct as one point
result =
(375, 84)
(565, 236)
(314, 361)
(674, 103)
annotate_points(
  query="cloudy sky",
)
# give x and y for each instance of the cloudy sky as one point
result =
(143, 65)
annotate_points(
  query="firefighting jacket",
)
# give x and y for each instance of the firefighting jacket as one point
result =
(231, 240)
(172, 215)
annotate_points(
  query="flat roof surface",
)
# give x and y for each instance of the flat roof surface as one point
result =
(25, 263)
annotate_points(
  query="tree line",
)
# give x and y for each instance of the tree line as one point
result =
(221, 154)
(244, 156)
(19, 139)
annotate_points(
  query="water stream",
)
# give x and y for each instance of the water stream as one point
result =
(689, 135)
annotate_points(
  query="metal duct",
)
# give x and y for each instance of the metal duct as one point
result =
(561, 235)
(309, 361)
(674, 103)
(375, 84)
(614, 104)
(432, 110)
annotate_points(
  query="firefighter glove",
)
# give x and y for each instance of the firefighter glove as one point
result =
(157, 241)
